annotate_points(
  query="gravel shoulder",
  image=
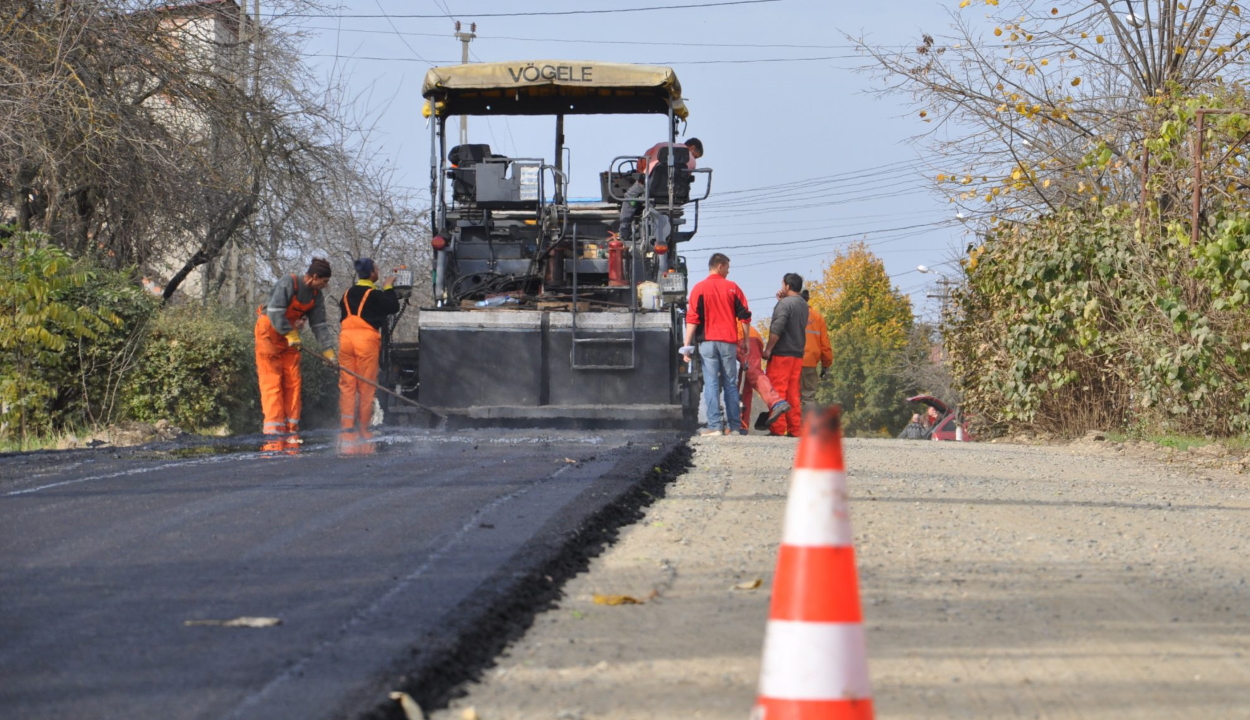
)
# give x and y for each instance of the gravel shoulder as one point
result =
(1091, 580)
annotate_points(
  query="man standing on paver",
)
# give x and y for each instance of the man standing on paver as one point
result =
(716, 307)
(787, 339)
(816, 352)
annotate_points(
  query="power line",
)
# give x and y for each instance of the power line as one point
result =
(784, 198)
(401, 37)
(808, 241)
(550, 12)
(608, 42)
(917, 190)
(651, 62)
(443, 6)
(836, 177)
(879, 241)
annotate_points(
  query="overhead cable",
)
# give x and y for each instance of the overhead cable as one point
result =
(548, 13)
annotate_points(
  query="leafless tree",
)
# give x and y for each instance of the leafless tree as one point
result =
(1041, 104)
(149, 133)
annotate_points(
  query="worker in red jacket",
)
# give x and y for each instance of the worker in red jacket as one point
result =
(363, 310)
(293, 302)
(716, 307)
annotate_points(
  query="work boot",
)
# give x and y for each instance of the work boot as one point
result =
(777, 411)
(761, 421)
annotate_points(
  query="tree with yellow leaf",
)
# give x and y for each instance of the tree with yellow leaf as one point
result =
(869, 321)
(1047, 105)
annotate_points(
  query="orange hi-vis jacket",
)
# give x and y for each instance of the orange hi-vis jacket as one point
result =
(817, 351)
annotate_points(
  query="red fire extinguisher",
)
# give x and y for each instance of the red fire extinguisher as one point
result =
(616, 263)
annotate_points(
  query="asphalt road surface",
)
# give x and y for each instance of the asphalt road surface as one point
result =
(406, 568)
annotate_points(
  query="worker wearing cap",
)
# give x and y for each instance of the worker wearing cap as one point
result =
(293, 302)
(816, 352)
(363, 310)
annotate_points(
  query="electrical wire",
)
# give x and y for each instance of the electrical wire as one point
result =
(830, 203)
(809, 241)
(836, 177)
(649, 62)
(401, 37)
(632, 43)
(549, 13)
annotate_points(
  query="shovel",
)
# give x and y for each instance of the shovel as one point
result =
(367, 381)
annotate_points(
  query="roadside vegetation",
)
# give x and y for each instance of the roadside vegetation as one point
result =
(870, 326)
(1089, 297)
(83, 347)
(161, 165)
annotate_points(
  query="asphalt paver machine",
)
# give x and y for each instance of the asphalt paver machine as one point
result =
(541, 315)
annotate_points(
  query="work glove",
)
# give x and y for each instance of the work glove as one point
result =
(328, 354)
(824, 372)
(292, 338)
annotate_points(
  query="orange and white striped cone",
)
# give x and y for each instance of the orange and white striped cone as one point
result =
(815, 664)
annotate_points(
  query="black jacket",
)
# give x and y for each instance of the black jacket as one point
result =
(380, 304)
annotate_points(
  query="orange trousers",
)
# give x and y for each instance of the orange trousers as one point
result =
(784, 373)
(359, 347)
(754, 380)
(277, 367)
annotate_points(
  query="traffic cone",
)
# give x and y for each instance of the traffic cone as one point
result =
(815, 664)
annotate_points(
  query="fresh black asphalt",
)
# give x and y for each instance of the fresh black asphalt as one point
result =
(405, 569)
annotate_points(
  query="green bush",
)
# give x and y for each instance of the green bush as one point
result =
(1074, 322)
(321, 393)
(101, 365)
(66, 329)
(198, 370)
(195, 371)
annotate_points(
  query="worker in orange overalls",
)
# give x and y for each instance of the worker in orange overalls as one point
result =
(787, 339)
(753, 380)
(363, 309)
(294, 302)
(816, 352)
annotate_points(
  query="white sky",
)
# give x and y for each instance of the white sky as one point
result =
(763, 123)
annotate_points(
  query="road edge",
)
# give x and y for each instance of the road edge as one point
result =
(512, 600)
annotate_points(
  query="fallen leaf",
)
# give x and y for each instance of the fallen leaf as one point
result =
(570, 461)
(248, 622)
(616, 600)
(753, 584)
(412, 711)
(470, 714)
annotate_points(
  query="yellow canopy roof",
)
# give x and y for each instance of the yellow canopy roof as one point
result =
(550, 87)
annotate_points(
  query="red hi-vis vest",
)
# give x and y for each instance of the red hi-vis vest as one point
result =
(815, 664)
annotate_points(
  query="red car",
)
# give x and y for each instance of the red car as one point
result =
(947, 424)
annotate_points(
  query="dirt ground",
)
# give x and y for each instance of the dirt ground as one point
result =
(1092, 580)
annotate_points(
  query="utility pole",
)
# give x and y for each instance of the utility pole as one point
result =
(465, 38)
(253, 30)
(251, 272)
